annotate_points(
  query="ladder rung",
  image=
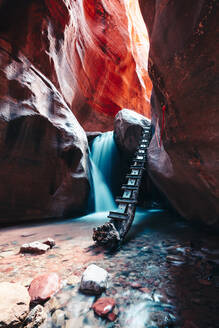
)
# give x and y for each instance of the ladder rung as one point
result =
(137, 167)
(126, 200)
(116, 215)
(128, 187)
(144, 141)
(139, 160)
(140, 154)
(128, 176)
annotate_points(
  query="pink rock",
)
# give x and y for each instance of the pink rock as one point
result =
(44, 286)
(103, 306)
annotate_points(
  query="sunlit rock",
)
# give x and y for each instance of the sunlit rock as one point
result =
(94, 280)
(35, 247)
(44, 286)
(14, 304)
(92, 51)
(184, 152)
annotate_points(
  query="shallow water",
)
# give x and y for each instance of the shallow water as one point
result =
(175, 262)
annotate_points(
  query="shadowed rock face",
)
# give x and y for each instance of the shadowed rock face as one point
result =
(182, 66)
(43, 149)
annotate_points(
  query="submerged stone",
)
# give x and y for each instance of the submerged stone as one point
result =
(103, 306)
(94, 280)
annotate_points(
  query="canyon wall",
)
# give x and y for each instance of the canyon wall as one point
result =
(63, 65)
(184, 152)
(91, 50)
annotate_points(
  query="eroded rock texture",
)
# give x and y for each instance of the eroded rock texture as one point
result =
(58, 58)
(43, 149)
(92, 50)
(182, 66)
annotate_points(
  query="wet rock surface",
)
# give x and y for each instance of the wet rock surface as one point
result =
(165, 275)
(94, 280)
(104, 306)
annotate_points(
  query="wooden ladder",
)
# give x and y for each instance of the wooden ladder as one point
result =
(112, 233)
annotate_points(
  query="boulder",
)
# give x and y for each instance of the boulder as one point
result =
(128, 127)
(14, 304)
(94, 280)
(44, 286)
(43, 157)
(184, 153)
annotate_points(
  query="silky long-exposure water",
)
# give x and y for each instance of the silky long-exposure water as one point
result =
(104, 167)
(166, 274)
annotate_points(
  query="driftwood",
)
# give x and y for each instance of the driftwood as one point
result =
(112, 233)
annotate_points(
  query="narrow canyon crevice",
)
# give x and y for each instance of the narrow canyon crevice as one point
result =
(77, 145)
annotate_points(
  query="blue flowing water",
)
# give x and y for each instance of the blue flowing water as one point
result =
(105, 171)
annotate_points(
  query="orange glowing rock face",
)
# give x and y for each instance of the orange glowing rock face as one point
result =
(104, 50)
(93, 51)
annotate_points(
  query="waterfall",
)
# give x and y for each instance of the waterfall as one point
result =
(105, 168)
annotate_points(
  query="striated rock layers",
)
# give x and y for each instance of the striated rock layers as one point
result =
(58, 58)
(93, 51)
(43, 149)
(184, 152)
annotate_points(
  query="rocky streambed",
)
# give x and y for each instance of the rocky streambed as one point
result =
(165, 275)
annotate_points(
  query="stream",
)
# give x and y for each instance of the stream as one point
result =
(165, 275)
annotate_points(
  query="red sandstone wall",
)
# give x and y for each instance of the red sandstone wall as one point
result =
(183, 66)
(60, 58)
(86, 49)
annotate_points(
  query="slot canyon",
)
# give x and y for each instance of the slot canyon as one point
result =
(109, 164)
